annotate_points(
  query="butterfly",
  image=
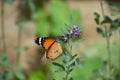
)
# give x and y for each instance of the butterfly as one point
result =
(51, 45)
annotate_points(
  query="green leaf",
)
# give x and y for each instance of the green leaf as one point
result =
(97, 18)
(59, 65)
(75, 55)
(107, 19)
(71, 62)
(114, 26)
(111, 30)
(100, 31)
(115, 8)
(116, 22)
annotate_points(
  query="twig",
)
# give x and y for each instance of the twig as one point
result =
(107, 39)
(2, 26)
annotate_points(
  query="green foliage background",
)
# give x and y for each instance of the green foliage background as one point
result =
(51, 21)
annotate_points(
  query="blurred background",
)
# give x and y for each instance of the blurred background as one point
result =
(21, 21)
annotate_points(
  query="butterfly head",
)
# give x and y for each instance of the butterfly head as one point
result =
(37, 41)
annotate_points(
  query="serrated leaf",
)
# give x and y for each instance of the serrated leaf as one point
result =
(59, 65)
(107, 19)
(97, 18)
(100, 31)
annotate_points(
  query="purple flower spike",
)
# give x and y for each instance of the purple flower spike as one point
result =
(69, 35)
(64, 38)
(75, 30)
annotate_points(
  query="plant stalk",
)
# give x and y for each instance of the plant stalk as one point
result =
(66, 77)
(19, 45)
(107, 39)
(2, 27)
(119, 52)
(67, 73)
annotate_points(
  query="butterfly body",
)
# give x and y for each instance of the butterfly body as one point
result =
(52, 47)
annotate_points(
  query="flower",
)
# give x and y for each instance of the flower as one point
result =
(69, 35)
(64, 38)
(75, 30)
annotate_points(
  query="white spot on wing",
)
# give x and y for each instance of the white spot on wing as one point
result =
(40, 40)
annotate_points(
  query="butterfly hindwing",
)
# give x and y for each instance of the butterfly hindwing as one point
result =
(54, 51)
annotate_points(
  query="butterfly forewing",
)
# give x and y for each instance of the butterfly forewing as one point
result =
(47, 43)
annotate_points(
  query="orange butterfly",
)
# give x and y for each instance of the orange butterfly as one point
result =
(52, 47)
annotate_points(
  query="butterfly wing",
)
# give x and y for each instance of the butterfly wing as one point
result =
(47, 42)
(54, 51)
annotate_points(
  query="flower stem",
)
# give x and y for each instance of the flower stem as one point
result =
(67, 73)
(107, 40)
(2, 26)
(66, 76)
